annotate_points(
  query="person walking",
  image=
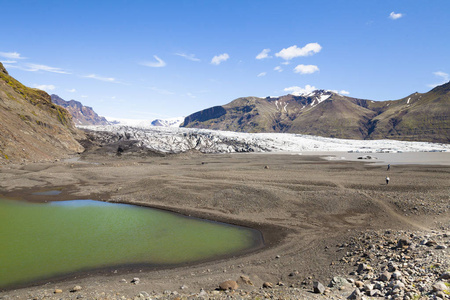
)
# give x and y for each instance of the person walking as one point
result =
(389, 167)
(387, 180)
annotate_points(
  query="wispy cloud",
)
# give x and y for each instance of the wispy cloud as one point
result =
(188, 56)
(263, 54)
(218, 59)
(395, 16)
(45, 87)
(278, 68)
(158, 64)
(306, 69)
(11, 55)
(161, 91)
(294, 51)
(37, 67)
(96, 77)
(261, 74)
(444, 78)
(344, 92)
(190, 95)
(8, 61)
(298, 91)
(72, 91)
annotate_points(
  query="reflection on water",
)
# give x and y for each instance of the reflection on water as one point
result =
(39, 241)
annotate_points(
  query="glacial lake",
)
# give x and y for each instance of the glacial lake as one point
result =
(49, 240)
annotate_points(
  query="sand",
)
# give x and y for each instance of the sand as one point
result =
(304, 205)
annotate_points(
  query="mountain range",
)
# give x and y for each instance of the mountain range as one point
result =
(417, 117)
(31, 126)
(82, 115)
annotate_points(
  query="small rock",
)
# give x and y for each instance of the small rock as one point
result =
(359, 284)
(356, 295)
(338, 282)
(318, 287)
(123, 280)
(441, 247)
(445, 275)
(228, 285)
(57, 291)
(385, 276)
(439, 286)
(267, 285)
(75, 289)
(135, 280)
(246, 280)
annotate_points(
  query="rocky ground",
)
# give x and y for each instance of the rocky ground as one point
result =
(333, 229)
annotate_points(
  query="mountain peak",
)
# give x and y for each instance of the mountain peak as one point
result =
(2, 69)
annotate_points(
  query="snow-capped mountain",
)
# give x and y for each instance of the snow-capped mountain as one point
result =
(170, 122)
(417, 117)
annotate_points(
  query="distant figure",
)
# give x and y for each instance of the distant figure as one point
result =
(389, 167)
(387, 180)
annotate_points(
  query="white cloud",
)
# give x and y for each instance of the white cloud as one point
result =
(72, 91)
(344, 92)
(298, 91)
(263, 54)
(306, 69)
(190, 95)
(443, 75)
(106, 79)
(8, 61)
(262, 74)
(11, 55)
(84, 96)
(285, 63)
(45, 87)
(188, 56)
(37, 67)
(294, 51)
(216, 60)
(395, 16)
(160, 63)
(278, 68)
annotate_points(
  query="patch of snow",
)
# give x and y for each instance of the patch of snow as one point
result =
(276, 104)
(408, 101)
(322, 98)
(285, 107)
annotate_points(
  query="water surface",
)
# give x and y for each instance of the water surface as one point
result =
(40, 241)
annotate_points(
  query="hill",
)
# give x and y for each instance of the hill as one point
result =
(32, 127)
(82, 115)
(418, 117)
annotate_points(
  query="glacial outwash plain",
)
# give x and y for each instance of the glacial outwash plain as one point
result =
(332, 226)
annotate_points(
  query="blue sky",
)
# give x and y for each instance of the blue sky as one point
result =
(159, 59)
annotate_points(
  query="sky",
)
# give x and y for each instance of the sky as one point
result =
(162, 59)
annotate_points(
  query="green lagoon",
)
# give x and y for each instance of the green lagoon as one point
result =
(44, 241)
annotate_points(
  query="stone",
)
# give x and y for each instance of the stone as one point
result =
(439, 286)
(445, 275)
(75, 289)
(397, 275)
(441, 247)
(228, 285)
(338, 282)
(57, 291)
(246, 280)
(135, 280)
(359, 284)
(385, 276)
(318, 287)
(267, 285)
(356, 295)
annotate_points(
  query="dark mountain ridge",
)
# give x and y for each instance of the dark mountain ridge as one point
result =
(82, 115)
(417, 117)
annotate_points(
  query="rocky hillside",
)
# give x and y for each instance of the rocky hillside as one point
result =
(32, 127)
(418, 117)
(82, 115)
